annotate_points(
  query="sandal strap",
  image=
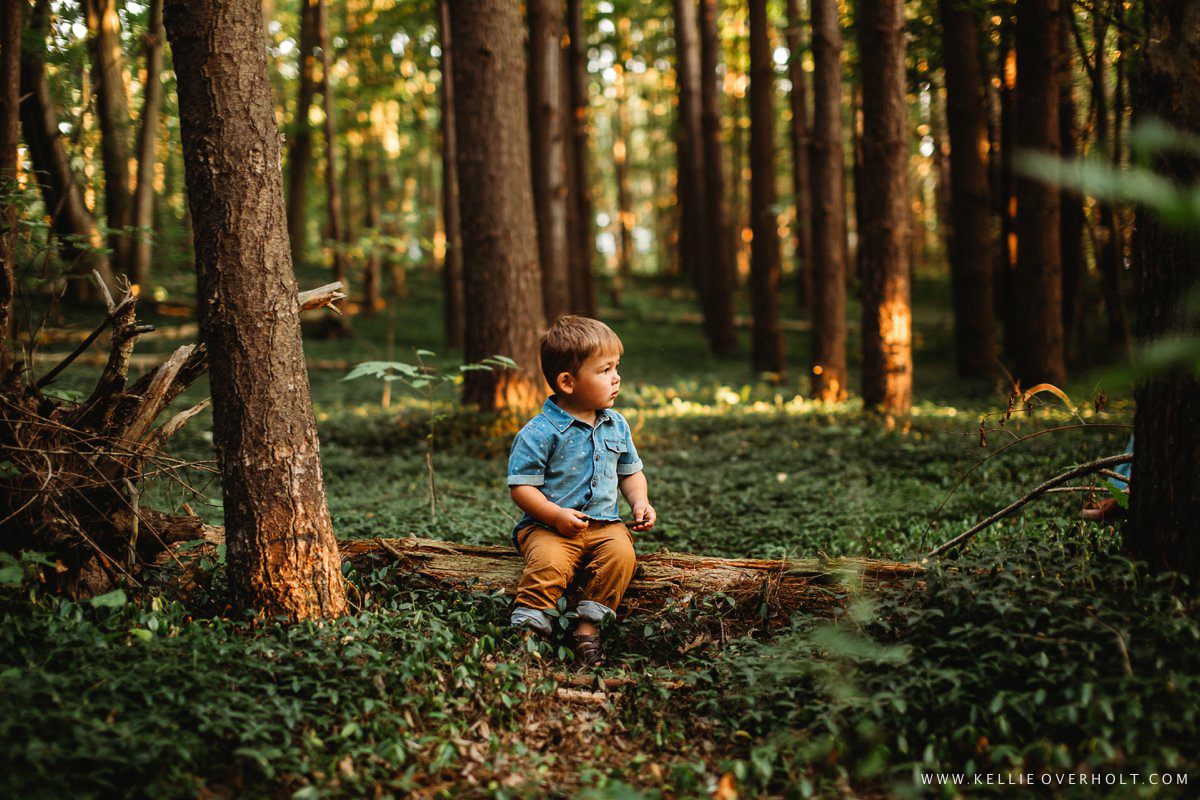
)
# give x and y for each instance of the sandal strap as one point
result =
(587, 650)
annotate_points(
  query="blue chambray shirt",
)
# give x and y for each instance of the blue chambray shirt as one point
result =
(575, 465)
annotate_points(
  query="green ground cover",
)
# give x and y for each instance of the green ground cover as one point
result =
(1040, 651)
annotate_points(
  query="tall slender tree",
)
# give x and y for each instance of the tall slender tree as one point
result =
(1070, 220)
(689, 147)
(767, 345)
(1039, 356)
(1110, 252)
(1165, 495)
(883, 226)
(970, 221)
(799, 137)
(501, 274)
(620, 133)
(337, 226)
(583, 295)
(300, 153)
(11, 26)
(546, 133)
(719, 281)
(1004, 285)
(828, 208)
(282, 555)
(452, 268)
(143, 194)
(112, 111)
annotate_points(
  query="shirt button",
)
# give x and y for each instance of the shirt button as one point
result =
(593, 483)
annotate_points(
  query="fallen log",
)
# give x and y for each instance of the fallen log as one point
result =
(814, 584)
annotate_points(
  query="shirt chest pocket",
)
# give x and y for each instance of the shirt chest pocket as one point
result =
(614, 449)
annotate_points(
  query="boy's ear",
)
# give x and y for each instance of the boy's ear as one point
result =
(565, 383)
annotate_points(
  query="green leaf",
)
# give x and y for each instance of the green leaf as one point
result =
(426, 353)
(114, 599)
(11, 575)
(142, 634)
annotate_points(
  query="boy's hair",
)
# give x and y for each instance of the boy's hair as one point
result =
(569, 342)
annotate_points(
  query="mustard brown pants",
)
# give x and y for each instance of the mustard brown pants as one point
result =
(603, 549)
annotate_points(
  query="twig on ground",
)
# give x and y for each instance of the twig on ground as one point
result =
(1074, 472)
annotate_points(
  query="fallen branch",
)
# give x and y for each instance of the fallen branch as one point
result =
(1074, 472)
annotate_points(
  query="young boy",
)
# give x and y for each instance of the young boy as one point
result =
(564, 471)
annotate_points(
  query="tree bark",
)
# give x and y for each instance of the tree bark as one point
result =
(583, 292)
(620, 125)
(1070, 227)
(883, 227)
(1038, 290)
(799, 135)
(143, 194)
(79, 239)
(373, 267)
(112, 109)
(1005, 282)
(11, 26)
(971, 249)
(337, 229)
(1110, 254)
(548, 155)
(720, 278)
(767, 341)
(282, 554)
(452, 268)
(828, 208)
(300, 153)
(689, 148)
(501, 275)
(1165, 495)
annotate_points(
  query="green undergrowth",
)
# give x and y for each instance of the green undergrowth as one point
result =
(1055, 658)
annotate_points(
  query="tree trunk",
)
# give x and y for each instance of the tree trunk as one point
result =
(11, 27)
(1005, 282)
(1165, 495)
(720, 278)
(828, 208)
(1038, 289)
(300, 154)
(143, 195)
(1070, 226)
(801, 187)
(282, 555)
(1110, 255)
(373, 268)
(883, 227)
(689, 153)
(112, 109)
(452, 268)
(620, 125)
(501, 275)
(767, 346)
(583, 293)
(337, 230)
(546, 133)
(971, 259)
(79, 239)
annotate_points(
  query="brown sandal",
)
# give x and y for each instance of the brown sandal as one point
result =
(587, 651)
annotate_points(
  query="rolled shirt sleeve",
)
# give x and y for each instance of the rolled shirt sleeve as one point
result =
(628, 463)
(527, 461)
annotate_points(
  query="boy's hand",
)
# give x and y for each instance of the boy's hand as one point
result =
(570, 523)
(644, 517)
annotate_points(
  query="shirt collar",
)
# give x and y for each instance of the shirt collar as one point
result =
(562, 420)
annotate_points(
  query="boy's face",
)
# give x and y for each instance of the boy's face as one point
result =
(595, 384)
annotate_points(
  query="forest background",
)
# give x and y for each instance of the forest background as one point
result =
(833, 271)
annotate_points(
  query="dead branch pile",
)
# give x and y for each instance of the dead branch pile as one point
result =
(70, 471)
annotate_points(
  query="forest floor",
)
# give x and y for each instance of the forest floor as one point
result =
(1040, 651)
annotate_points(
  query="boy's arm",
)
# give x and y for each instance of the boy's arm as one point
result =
(637, 493)
(567, 521)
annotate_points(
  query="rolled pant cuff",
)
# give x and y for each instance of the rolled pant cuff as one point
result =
(539, 621)
(592, 611)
